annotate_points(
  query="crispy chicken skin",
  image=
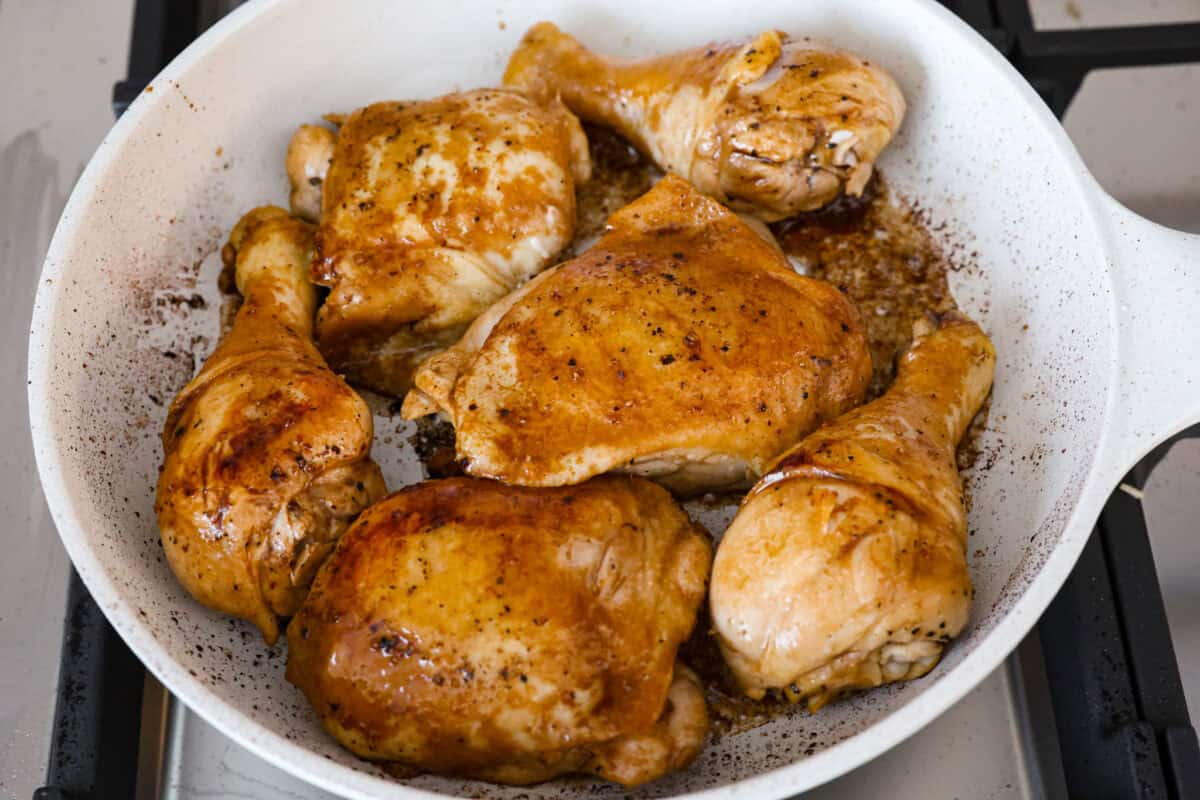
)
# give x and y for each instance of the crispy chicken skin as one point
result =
(431, 211)
(681, 346)
(267, 451)
(510, 634)
(770, 126)
(846, 566)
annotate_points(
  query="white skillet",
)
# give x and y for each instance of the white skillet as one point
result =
(1093, 311)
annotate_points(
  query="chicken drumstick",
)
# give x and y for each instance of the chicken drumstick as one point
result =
(846, 566)
(770, 126)
(267, 451)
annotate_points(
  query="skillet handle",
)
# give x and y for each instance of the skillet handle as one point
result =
(1155, 275)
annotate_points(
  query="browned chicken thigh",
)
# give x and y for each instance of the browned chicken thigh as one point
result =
(467, 627)
(267, 451)
(681, 346)
(429, 212)
(846, 566)
(770, 126)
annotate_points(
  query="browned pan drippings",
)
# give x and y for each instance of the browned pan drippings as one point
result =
(876, 250)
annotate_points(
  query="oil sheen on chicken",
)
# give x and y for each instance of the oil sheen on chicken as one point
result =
(267, 451)
(510, 634)
(681, 346)
(846, 566)
(772, 126)
(429, 212)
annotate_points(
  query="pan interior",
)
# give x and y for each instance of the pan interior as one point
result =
(129, 309)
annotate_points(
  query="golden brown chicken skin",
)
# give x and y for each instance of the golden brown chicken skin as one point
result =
(771, 126)
(846, 566)
(471, 628)
(267, 451)
(681, 346)
(430, 211)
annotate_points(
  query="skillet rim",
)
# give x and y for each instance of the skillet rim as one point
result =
(948, 688)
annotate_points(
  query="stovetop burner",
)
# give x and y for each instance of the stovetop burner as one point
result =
(1121, 717)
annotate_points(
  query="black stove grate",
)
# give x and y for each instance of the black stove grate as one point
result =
(1122, 719)
(1055, 62)
(1119, 704)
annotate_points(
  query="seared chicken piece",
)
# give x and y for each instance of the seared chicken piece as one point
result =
(267, 451)
(846, 566)
(471, 628)
(431, 211)
(309, 155)
(681, 346)
(771, 126)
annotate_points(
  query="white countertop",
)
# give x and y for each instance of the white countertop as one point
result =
(58, 60)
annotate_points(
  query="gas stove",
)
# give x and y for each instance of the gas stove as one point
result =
(1092, 704)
